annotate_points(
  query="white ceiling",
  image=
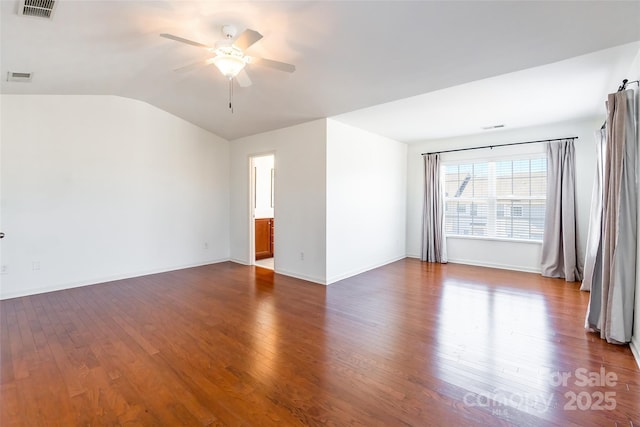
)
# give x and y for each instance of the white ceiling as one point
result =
(566, 90)
(349, 55)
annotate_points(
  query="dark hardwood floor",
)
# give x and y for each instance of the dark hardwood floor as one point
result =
(410, 343)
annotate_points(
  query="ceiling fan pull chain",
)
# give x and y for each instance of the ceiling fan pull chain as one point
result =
(231, 95)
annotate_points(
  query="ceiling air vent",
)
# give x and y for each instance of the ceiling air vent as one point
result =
(492, 127)
(12, 76)
(37, 8)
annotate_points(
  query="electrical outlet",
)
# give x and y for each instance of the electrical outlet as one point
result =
(301, 256)
(206, 245)
(4, 269)
(36, 265)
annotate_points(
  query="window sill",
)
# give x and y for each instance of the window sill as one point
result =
(495, 239)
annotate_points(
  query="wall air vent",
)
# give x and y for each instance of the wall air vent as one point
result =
(12, 76)
(492, 127)
(37, 8)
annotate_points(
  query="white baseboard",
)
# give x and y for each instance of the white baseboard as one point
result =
(102, 279)
(322, 281)
(304, 277)
(355, 272)
(486, 264)
(635, 349)
(524, 269)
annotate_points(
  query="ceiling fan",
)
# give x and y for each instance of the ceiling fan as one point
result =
(230, 57)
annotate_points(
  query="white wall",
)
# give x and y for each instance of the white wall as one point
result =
(634, 74)
(300, 198)
(263, 166)
(366, 200)
(101, 187)
(493, 253)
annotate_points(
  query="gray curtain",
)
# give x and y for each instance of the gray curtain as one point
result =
(593, 256)
(559, 249)
(434, 245)
(612, 296)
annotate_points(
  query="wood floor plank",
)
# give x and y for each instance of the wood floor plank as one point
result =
(62, 349)
(410, 343)
(6, 362)
(10, 405)
(14, 341)
(126, 369)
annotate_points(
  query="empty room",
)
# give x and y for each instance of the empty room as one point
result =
(288, 213)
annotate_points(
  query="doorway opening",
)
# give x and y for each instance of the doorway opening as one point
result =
(263, 208)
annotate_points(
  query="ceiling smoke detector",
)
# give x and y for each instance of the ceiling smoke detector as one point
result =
(37, 8)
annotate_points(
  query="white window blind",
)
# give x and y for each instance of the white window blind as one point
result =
(501, 199)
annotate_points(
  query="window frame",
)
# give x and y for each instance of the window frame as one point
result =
(491, 200)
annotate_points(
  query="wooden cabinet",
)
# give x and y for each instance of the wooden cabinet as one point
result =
(264, 238)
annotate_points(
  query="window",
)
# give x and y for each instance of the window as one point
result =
(502, 198)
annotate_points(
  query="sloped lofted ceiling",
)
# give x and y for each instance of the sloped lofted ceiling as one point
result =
(349, 55)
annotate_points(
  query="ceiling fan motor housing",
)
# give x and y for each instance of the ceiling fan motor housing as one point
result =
(229, 31)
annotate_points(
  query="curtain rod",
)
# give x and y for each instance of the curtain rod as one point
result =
(499, 145)
(626, 82)
(622, 87)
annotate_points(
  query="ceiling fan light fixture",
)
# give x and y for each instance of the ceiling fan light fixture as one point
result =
(229, 65)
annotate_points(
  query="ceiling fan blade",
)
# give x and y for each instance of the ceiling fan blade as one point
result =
(243, 78)
(247, 38)
(281, 66)
(182, 40)
(194, 65)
